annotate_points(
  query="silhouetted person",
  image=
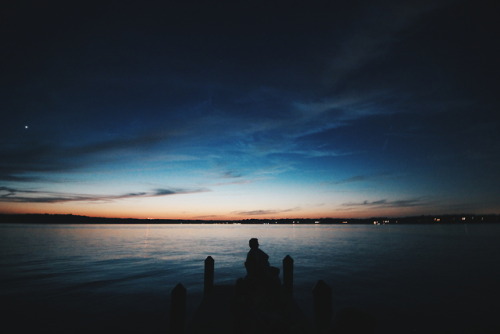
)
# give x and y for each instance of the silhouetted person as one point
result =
(259, 272)
(257, 262)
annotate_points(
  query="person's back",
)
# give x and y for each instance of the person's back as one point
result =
(257, 263)
(259, 271)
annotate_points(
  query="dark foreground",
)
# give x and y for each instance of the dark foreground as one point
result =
(227, 311)
(147, 314)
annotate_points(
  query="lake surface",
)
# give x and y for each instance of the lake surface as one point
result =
(118, 278)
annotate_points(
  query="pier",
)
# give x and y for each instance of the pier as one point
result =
(240, 309)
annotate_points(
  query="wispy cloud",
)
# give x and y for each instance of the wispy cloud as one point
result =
(357, 178)
(375, 35)
(8, 194)
(231, 174)
(317, 153)
(236, 182)
(263, 212)
(298, 131)
(18, 162)
(363, 178)
(209, 217)
(384, 203)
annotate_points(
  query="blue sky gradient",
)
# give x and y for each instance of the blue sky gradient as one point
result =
(234, 110)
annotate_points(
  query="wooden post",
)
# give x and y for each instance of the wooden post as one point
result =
(288, 274)
(178, 309)
(209, 275)
(322, 296)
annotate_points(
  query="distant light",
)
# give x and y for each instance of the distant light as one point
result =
(25, 126)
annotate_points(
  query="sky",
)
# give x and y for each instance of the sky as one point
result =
(249, 109)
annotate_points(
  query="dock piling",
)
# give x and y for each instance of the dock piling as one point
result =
(288, 274)
(209, 275)
(178, 309)
(322, 297)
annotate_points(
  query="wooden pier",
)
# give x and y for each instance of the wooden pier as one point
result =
(237, 309)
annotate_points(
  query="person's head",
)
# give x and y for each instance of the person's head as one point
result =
(253, 243)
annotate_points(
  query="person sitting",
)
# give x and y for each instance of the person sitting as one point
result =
(259, 271)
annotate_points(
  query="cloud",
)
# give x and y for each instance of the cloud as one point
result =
(296, 132)
(164, 192)
(40, 158)
(15, 178)
(384, 203)
(175, 191)
(209, 217)
(284, 128)
(376, 30)
(362, 178)
(8, 194)
(318, 153)
(120, 143)
(357, 178)
(233, 183)
(230, 174)
(263, 212)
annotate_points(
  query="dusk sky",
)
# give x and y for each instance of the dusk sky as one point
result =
(249, 109)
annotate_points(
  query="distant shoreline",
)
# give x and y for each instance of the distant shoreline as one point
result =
(76, 219)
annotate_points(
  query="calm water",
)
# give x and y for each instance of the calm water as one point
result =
(110, 278)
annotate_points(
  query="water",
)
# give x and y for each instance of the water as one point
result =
(118, 278)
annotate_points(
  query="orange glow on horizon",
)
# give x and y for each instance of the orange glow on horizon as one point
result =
(155, 213)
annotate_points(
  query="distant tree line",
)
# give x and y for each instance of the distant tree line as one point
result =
(76, 219)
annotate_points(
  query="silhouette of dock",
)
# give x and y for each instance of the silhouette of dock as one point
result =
(238, 309)
(223, 311)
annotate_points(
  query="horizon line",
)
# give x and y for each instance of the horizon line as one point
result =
(471, 216)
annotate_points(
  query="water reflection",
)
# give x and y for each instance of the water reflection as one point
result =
(385, 269)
